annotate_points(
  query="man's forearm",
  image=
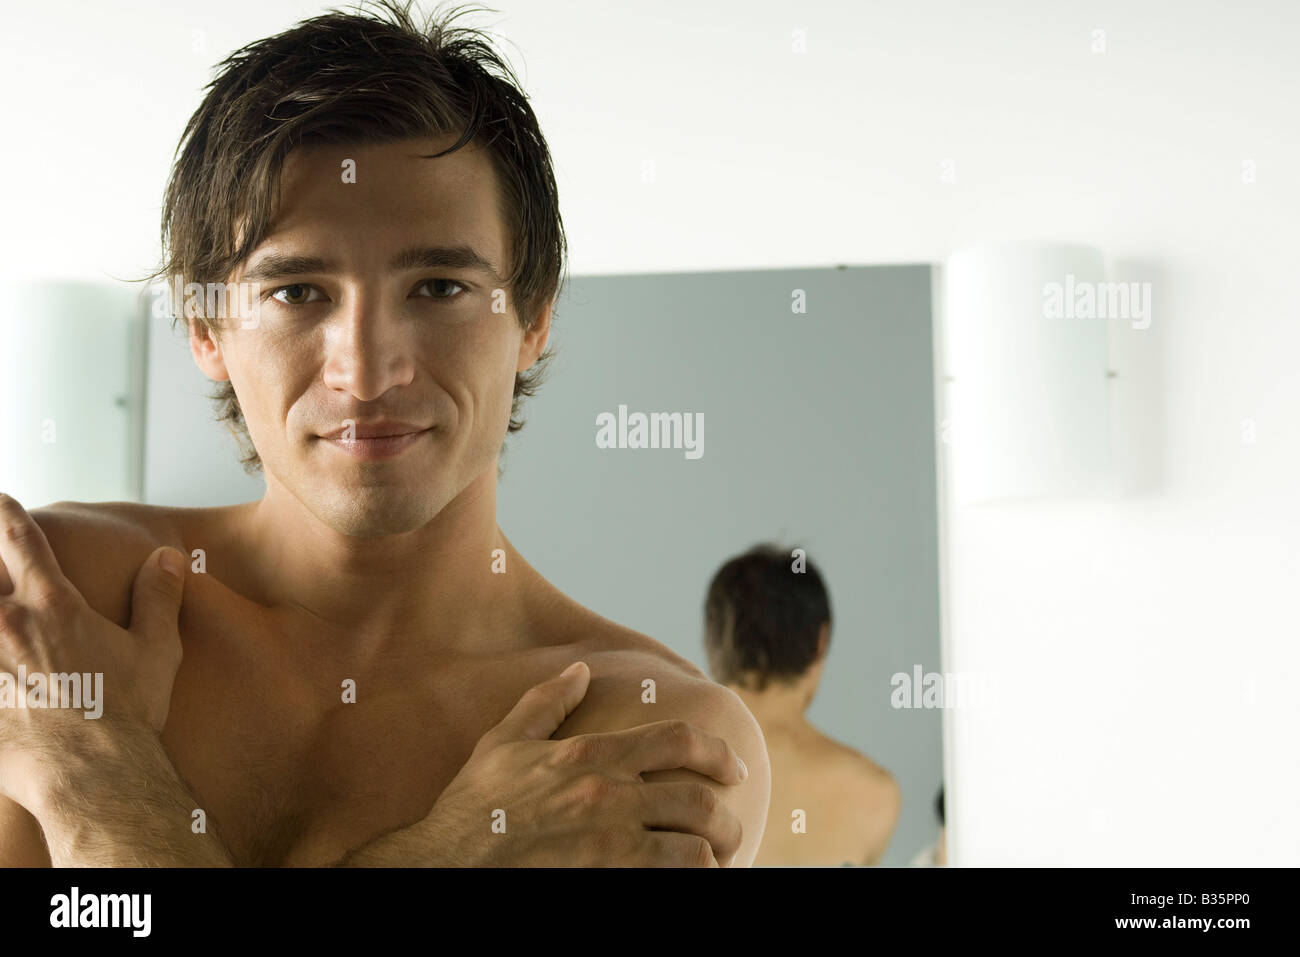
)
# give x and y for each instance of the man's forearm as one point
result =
(419, 845)
(108, 795)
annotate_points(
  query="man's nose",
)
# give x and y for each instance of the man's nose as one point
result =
(366, 351)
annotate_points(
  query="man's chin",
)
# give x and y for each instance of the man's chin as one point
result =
(376, 513)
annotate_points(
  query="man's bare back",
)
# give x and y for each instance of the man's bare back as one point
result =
(287, 772)
(767, 632)
(849, 804)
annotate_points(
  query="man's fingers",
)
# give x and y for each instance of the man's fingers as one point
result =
(544, 707)
(156, 598)
(689, 807)
(26, 552)
(670, 849)
(665, 745)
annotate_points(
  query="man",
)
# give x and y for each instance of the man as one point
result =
(353, 642)
(767, 632)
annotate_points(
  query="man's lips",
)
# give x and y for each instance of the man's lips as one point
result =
(376, 441)
(385, 428)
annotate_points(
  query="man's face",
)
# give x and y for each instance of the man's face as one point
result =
(356, 337)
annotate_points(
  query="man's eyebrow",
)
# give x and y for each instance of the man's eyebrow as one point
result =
(272, 265)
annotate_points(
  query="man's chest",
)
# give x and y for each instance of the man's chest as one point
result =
(297, 752)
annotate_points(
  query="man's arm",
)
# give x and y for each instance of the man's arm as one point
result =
(720, 710)
(124, 811)
(21, 842)
(515, 764)
(104, 791)
(580, 801)
(616, 703)
(106, 794)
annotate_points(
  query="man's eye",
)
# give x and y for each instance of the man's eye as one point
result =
(429, 283)
(295, 291)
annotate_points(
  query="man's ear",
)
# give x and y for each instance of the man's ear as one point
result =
(823, 640)
(207, 352)
(533, 343)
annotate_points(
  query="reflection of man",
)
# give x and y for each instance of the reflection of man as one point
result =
(767, 630)
(350, 637)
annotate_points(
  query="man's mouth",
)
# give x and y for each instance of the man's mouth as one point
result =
(376, 441)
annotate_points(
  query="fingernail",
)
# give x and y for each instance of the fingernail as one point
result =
(744, 771)
(172, 563)
(570, 670)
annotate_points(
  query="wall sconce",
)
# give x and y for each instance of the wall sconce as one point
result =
(1025, 372)
(71, 391)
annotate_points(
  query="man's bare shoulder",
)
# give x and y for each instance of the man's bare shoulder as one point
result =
(866, 791)
(878, 787)
(93, 520)
(636, 680)
(871, 780)
(617, 652)
(871, 784)
(878, 799)
(100, 546)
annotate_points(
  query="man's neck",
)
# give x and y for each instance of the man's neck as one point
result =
(778, 703)
(433, 587)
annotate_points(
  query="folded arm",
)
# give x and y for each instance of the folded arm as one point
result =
(103, 791)
(615, 703)
(105, 795)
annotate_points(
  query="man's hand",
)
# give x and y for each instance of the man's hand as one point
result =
(47, 627)
(579, 801)
(104, 791)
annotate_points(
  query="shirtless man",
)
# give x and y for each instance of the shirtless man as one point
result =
(340, 684)
(767, 631)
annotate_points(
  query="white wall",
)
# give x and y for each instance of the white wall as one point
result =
(765, 158)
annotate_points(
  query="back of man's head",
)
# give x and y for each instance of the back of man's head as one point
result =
(763, 617)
